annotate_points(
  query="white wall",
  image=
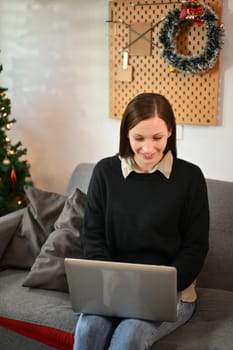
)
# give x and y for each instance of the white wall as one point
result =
(211, 147)
(55, 65)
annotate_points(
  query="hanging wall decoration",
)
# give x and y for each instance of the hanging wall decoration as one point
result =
(191, 13)
(169, 47)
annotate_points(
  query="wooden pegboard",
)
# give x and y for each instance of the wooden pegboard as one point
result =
(194, 97)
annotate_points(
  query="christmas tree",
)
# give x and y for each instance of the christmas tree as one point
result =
(14, 172)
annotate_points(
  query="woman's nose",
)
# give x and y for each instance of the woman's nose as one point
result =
(147, 147)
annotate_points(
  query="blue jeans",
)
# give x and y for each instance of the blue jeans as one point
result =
(101, 333)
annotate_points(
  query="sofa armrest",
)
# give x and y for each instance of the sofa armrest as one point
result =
(8, 225)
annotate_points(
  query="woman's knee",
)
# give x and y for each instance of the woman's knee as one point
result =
(93, 332)
(185, 311)
(94, 324)
(129, 335)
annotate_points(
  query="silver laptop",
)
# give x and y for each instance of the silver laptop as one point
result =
(122, 290)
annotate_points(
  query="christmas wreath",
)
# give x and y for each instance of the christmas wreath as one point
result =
(199, 14)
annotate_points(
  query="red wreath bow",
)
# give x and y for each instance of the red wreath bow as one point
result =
(192, 11)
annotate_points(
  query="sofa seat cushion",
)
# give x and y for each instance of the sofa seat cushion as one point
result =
(11, 341)
(210, 328)
(51, 310)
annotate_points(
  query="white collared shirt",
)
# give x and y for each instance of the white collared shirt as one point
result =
(164, 166)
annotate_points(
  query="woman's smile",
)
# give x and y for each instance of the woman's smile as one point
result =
(148, 140)
(148, 155)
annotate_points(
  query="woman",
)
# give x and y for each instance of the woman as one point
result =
(145, 206)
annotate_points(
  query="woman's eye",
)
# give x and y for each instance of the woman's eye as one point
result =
(157, 138)
(138, 139)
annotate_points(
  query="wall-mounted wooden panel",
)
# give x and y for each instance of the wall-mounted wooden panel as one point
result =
(194, 97)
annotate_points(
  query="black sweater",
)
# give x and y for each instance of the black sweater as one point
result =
(147, 218)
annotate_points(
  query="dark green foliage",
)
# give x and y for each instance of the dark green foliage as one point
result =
(14, 172)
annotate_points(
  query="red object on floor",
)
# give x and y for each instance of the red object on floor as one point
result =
(53, 337)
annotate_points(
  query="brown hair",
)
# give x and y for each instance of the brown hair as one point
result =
(145, 106)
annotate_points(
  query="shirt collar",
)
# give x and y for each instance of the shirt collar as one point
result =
(164, 166)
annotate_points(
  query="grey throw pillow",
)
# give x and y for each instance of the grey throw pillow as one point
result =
(37, 223)
(48, 270)
(45, 207)
(10, 224)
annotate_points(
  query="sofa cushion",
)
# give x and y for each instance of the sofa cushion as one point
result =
(12, 341)
(45, 208)
(37, 222)
(35, 307)
(9, 225)
(219, 262)
(48, 270)
(210, 327)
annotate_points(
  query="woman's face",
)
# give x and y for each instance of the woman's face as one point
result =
(148, 140)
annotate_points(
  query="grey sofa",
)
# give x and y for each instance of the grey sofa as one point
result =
(36, 318)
